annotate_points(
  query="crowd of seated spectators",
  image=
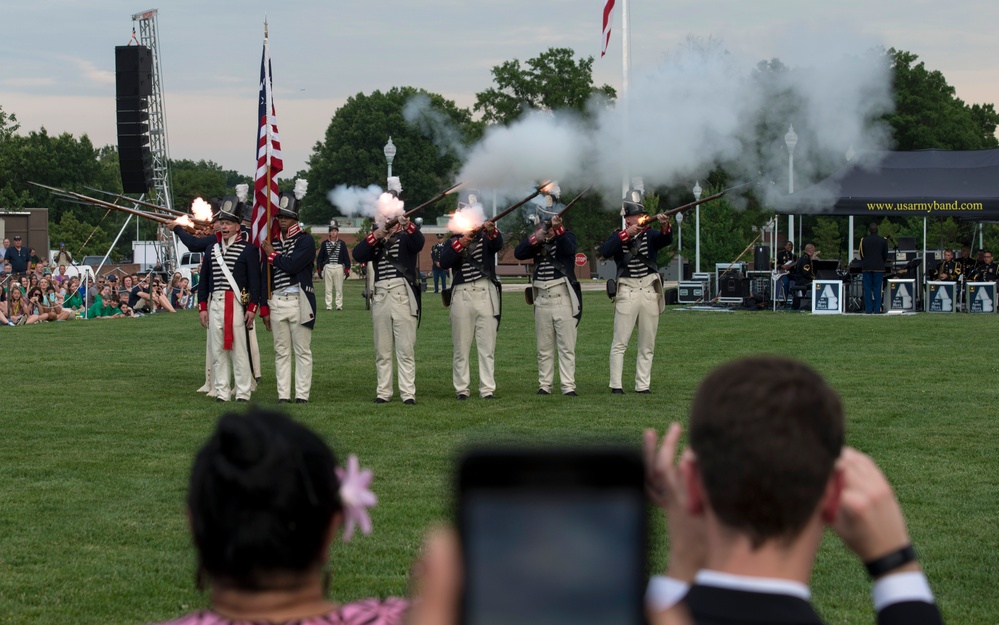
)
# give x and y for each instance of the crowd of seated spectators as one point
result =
(44, 293)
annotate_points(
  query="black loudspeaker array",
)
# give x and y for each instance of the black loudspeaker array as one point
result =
(761, 258)
(133, 87)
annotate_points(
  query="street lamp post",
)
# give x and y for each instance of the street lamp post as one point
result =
(790, 140)
(697, 228)
(679, 246)
(390, 155)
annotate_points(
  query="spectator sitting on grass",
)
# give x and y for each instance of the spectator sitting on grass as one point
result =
(35, 313)
(126, 310)
(60, 277)
(51, 304)
(73, 299)
(17, 306)
(104, 305)
(180, 295)
(265, 501)
(3, 306)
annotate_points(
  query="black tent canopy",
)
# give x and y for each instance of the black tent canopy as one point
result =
(919, 183)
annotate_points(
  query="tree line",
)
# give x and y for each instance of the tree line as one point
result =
(927, 114)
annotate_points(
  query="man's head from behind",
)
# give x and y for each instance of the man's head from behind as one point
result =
(766, 432)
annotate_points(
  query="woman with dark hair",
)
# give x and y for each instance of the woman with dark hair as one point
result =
(266, 499)
(35, 312)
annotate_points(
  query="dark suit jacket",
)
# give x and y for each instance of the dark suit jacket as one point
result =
(710, 605)
(873, 253)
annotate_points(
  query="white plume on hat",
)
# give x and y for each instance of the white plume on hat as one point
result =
(241, 191)
(638, 184)
(394, 184)
(301, 186)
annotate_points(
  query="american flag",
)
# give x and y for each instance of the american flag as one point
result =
(608, 10)
(269, 162)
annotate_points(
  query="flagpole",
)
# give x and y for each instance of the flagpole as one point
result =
(268, 104)
(625, 86)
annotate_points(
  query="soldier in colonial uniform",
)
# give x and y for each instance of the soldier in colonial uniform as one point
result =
(949, 269)
(246, 228)
(202, 244)
(440, 274)
(475, 301)
(290, 311)
(228, 297)
(333, 265)
(639, 298)
(554, 292)
(391, 251)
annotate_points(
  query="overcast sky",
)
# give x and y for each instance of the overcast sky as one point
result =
(58, 55)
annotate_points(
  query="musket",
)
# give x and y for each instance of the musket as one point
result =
(685, 207)
(493, 220)
(392, 222)
(172, 211)
(565, 209)
(109, 205)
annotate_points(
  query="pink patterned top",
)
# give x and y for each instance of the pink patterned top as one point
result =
(365, 612)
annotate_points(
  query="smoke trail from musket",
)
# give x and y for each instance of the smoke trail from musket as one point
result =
(702, 108)
(371, 202)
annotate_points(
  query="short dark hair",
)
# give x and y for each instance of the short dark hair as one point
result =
(262, 495)
(767, 432)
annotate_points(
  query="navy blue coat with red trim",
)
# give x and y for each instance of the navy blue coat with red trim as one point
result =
(246, 274)
(565, 251)
(299, 263)
(453, 257)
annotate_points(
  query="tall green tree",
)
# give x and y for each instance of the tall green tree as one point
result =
(928, 113)
(352, 150)
(204, 179)
(553, 80)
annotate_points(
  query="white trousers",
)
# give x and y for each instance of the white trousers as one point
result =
(333, 279)
(555, 328)
(234, 362)
(290, 335)
(472, 317)
(395, 332)
(209, 385)
(634, 305)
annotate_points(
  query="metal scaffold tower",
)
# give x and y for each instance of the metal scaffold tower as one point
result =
(159, 148)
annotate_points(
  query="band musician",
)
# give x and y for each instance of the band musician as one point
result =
(986, 271)
(949, 269)
(804, 275)
(782, 267)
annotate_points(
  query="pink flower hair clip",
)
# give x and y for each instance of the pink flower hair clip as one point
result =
(356, 497)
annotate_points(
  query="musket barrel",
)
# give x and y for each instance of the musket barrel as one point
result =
(393, 221)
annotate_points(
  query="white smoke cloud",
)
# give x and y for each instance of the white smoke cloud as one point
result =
(701, 108)
(371, 202)
(434, 124)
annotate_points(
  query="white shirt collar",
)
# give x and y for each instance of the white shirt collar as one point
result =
(753, 584)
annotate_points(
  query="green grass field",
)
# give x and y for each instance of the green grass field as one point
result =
(100, 423)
